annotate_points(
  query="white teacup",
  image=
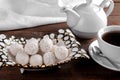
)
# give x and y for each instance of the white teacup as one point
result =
(109, 50)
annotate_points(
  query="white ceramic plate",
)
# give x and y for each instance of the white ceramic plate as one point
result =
(100, 60)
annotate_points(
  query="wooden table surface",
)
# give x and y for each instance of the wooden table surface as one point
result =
(82, 69)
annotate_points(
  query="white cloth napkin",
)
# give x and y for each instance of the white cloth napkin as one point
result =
(72, 3)
(17, 14)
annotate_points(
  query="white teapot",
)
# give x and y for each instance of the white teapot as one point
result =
(86, 19)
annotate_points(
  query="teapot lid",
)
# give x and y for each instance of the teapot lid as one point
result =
(86, 8)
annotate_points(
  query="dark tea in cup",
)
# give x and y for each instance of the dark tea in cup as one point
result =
(112, 37)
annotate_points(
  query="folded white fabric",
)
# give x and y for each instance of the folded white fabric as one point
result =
(17, 14)
(72, 3)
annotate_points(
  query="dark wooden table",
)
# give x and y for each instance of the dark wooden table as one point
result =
(82, 69)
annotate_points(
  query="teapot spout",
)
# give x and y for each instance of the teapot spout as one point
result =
(72, 17)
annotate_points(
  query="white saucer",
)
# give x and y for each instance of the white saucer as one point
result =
(100, 60)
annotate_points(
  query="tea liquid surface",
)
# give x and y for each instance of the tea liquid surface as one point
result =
(112, 37)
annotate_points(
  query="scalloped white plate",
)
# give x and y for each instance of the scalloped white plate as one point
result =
(73, 45)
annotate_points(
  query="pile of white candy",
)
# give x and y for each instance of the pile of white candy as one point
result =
(49, 50)
(37, 52)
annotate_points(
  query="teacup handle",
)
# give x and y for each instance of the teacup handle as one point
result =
(111, 6)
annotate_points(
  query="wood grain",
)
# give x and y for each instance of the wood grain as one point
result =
(114, 20)
(117, 1)
(116, 11)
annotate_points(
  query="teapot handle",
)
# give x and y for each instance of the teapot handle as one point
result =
(111, 6)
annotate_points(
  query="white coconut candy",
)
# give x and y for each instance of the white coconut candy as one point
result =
(22, 58)
(36, 60)
(61, 52)
(46, 44)
(31, 46)
(15, 48)
(49, 58)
